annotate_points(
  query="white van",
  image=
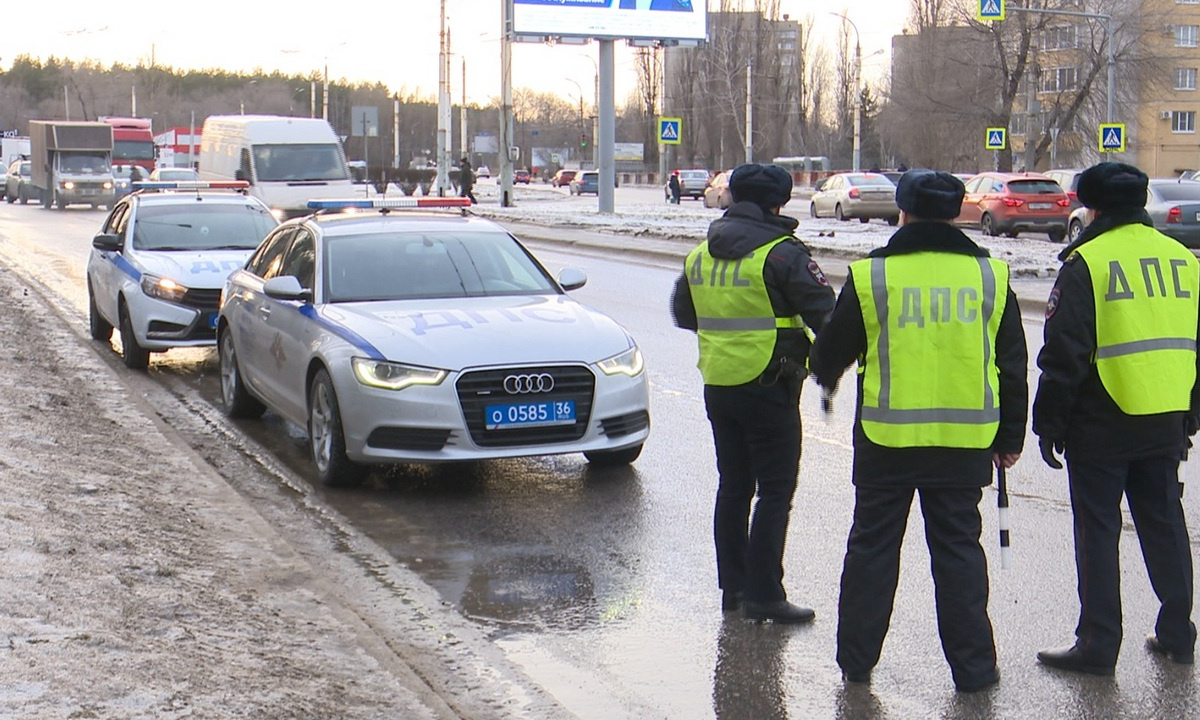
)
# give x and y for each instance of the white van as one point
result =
(287, 160)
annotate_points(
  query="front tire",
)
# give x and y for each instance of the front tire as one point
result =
(611, 458)
(1057, 236)
(893, 221)
(238, 401)
(325, 435)
(812, 209)
(864, 220)
(135, 356)
(98, 327)
(837, 213)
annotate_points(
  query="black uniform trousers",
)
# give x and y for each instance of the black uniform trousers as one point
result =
(872, 569)
(756, 431)
(1152, 490)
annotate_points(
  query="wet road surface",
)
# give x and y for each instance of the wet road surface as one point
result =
(601, 584)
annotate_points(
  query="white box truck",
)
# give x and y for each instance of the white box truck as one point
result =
(287, 160)
(14, 148)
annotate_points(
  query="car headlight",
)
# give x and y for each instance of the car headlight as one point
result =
(394, 376)
(627, 363)
(108, 185)
(68, 185)
(163, 288)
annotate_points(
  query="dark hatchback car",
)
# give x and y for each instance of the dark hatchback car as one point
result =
(521, 176)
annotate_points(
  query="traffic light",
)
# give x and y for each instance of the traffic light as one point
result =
(583, 143)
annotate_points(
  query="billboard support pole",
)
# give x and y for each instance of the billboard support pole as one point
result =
(607, 120)
(506, 104)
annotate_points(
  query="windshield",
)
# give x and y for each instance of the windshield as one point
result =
(200, 226)
(176, 174)
(1176, 192)
(85, 163)
(299, 162)
(1034, 187)
(405, 266)
(133, 149)
(26, 168)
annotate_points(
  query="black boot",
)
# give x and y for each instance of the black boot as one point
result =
(1073, 659)
(780, 611)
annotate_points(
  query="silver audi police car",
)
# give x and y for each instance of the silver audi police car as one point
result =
(160, 260)
(426, 337)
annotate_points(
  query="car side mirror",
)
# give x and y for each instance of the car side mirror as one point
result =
(286, 287)
(240, 174)
(572, 278)
(107, 242)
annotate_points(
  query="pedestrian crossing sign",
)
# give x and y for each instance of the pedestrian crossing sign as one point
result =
(989, 10)
(997, 138)
(669, 132)
(1112, 137)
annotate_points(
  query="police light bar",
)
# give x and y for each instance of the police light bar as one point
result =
(390, 203)
(190, 185)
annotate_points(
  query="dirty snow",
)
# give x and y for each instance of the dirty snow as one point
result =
(641, 211)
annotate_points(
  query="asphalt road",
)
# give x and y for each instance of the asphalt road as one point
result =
(601, 585)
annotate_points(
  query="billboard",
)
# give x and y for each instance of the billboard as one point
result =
(638, 19)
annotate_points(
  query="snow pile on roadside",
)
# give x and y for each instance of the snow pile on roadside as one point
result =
(1031, 254)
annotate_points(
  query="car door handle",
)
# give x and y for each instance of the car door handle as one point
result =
(264, 312)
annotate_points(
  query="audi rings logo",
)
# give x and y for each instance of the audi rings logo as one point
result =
(526, 384)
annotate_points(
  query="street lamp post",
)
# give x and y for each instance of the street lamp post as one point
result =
(595, 112)
(857, 151)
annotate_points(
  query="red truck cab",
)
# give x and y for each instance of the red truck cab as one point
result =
(133, 143)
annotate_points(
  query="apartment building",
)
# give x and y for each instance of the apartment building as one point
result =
(1164, 137)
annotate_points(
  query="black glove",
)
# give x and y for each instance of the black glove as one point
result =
(1049, 448)
(1191, 423)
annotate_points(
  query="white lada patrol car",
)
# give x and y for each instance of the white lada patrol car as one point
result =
(424, 337)
(159, 262)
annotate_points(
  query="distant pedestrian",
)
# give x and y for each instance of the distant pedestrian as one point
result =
(935, 329)
(675, 187)
(466, 180)
(754, 295)
(1119, 395)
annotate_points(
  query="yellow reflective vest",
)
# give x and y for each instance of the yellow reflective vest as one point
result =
(1146, 286)
(735, 321)
(929, 372)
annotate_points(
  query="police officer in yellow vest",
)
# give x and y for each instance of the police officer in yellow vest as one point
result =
(942, 396)
(1118, 392)
(754, 295)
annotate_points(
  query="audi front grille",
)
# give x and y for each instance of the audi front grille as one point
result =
(480, 388)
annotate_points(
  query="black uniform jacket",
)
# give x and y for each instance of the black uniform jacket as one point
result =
(1071, 403)
(794, 282)
(845, 339)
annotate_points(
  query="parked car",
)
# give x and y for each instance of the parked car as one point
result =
(562, 178)
(483, 172)
(587, 182)
(856, 195)
(893, 175)
(159, 262)
(691, 184)
(424, 337)
(1069, 181)
(1173, 204)
(716, 193)
(18, 183)
(1011, 203)
(174, 174)
(521, 176)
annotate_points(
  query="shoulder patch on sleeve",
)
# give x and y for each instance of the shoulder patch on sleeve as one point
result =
(1052, 303)
(815, 270)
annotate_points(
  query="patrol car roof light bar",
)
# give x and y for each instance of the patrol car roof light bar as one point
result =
(190, 185)
(385, 205)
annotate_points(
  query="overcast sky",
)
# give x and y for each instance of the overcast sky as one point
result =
(396, 46)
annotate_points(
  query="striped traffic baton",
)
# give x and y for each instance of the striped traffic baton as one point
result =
(1002, 506)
